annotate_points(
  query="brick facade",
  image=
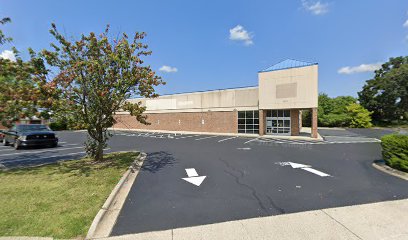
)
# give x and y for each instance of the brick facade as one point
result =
(294, 122)
(314, 123)
(217, 122)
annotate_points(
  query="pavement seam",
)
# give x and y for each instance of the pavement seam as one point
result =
(344, 226)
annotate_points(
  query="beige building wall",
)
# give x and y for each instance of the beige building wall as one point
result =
(289, 88)
(219, 100)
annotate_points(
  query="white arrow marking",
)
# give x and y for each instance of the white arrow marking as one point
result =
(304, 167)
(193, 177)
(317, 172)
(298, 165)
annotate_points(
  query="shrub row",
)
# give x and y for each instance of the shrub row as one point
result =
(395, 151)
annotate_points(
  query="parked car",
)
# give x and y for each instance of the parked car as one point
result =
(1, 134)
(24, 135)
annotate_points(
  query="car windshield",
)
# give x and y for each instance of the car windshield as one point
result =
(24, 128)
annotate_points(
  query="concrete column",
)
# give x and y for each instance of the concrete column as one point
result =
(261, 123)
(294, 122)
(300, 119)
(314, 123)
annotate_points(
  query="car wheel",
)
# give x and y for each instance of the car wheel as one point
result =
(5, 143)
(17, 145)
(54, 145)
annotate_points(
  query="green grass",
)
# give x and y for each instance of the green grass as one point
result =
(58, 200)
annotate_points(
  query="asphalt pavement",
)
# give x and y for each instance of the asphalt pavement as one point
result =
(246, 178)
(189, 179)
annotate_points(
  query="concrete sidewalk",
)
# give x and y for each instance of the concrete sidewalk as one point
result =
(384, 220)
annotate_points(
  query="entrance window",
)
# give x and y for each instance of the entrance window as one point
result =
(248, 122)
(278, 122)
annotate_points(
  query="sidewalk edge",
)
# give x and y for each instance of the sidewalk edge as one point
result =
(101, 217)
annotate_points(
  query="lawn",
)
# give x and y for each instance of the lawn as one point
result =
(58, 200)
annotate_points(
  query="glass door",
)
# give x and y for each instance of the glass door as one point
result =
(278, 122)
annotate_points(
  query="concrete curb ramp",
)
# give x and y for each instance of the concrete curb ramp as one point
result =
(104, 221)
(384, 220)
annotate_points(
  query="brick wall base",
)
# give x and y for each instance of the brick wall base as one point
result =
(294, 122)
(217, 122)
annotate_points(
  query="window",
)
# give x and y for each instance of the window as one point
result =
(278, 122)
(248, 122)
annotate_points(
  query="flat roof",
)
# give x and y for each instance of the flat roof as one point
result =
(204, 91)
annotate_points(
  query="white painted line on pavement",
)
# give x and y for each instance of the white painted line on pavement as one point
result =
(303, 167)
(244, 148)
(251, 140)
(187, 136)
(31, 152)
(317, 172)
(198, 139)
(222, 140)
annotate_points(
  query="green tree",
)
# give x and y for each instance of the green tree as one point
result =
(332, 112)
(359, 116)
(23, 91)
(386, 95)
(97, 75)
(3, 38)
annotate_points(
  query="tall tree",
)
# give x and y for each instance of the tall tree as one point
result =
(386, 95)
(23, 91)
(97, 75)
(3, 38)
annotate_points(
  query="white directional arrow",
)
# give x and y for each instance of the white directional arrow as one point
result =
(304, 167)
(298, 165)
(193, 177)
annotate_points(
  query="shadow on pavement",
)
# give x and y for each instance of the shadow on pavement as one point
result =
(157, 160)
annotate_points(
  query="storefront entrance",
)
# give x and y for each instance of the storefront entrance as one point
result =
(278, 122)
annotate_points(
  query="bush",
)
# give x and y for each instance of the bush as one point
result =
(359, 116)
(395, 151)
(58, 126)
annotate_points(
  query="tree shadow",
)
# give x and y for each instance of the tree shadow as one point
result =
(155, 161)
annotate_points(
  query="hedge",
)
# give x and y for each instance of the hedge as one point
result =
(395, 151)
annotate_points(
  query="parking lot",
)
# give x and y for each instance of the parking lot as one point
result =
(191, 179)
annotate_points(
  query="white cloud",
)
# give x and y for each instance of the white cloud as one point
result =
(405, 24)
(7, 54)
(360, 69)
(168, 69)
(238, 33)
(315, 7)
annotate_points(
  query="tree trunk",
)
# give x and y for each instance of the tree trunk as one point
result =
(99, 152)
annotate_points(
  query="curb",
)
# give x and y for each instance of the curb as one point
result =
(102, 218)
(380, 165)
(319, 138)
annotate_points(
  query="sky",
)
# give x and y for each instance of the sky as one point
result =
(205, 44)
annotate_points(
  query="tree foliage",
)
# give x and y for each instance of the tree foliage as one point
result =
(359, 116)
(23, 92)
(342, 111)
(3, 38)
(386, 95)
(96, 76)
(332, 112)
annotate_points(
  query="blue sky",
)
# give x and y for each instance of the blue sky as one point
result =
(222, 44)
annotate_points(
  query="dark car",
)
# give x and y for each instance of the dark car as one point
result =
(1, 134)
(25, 135)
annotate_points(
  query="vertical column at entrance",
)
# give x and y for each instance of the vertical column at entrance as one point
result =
(261, 122)
(314, 123)
(294, 122)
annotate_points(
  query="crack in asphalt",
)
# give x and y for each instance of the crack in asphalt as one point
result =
(273, 204)
(250, 188)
